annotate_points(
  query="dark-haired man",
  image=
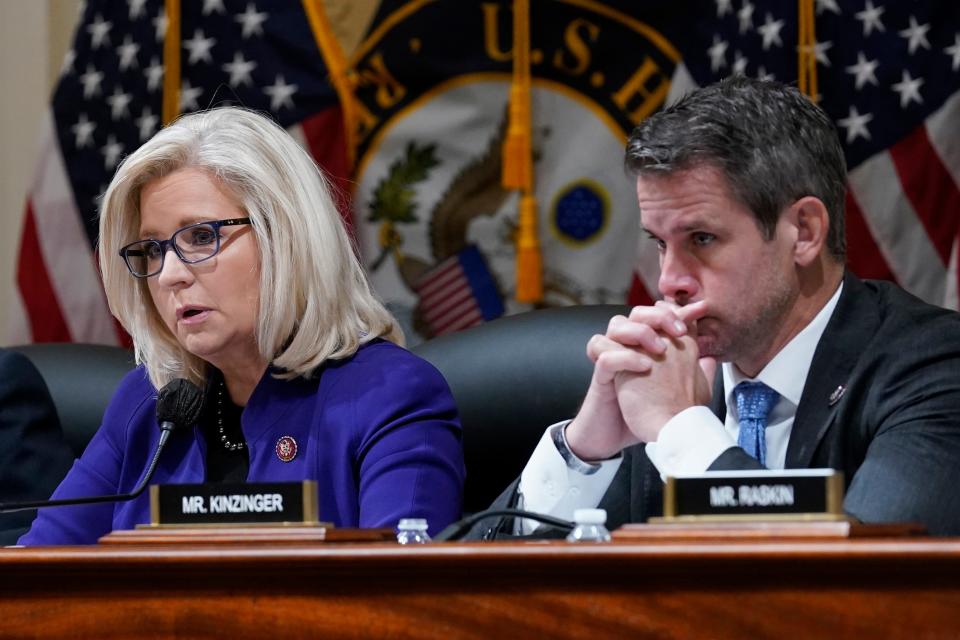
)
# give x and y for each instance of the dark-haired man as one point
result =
(741, 185)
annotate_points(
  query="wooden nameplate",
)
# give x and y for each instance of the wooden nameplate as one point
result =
(763, 530)
(256, 534)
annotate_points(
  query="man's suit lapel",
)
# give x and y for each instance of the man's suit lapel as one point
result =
(718, 401)
(853, 324)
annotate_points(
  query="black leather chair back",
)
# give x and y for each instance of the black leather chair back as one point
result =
(512, 378)
(81, 378)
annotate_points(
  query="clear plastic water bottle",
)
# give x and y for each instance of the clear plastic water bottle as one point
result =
(590, 526)
(412, 531)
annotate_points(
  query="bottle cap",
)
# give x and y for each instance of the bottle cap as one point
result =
(420, 523)
(590, 516)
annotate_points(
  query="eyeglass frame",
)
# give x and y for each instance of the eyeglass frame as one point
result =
(165, 245)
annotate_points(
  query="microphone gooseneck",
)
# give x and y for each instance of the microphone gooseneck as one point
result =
(179, 405)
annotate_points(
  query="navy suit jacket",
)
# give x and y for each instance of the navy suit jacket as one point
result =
(34, 456)
(894, 432)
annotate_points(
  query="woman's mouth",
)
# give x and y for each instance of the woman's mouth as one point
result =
(192, 315)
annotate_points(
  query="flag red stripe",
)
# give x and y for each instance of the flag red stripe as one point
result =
(929, 188)
(123, 338)
(452, 298)
(863, 254)
(464, 323)
(438, 279)
(460, 322)
(326, 138)
(467, 306)
(450, 285)
(47, 323)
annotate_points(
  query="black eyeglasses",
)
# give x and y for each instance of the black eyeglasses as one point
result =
(193, 243)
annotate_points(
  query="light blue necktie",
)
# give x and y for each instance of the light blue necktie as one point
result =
(755, 400)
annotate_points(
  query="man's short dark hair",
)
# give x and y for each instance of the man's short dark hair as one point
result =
(770, 141)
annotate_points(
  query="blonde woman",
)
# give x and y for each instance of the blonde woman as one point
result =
(225, 259)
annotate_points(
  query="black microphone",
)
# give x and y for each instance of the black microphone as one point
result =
(179, 404)
(461, 527)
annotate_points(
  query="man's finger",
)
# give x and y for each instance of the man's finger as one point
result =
(660, 318)
(637, 335)
(600, 344)
(610, 363)
(692, 312)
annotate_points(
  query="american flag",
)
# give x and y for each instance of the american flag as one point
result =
(889, 76)
(458, 293)
(262, 55)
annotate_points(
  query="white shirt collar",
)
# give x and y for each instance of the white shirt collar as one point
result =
(787, 372)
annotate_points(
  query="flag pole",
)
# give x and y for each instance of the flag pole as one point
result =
(806, 50)
(171, 63)
(518, 160)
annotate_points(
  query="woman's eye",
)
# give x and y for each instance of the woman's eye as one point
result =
(152, 251)
(203, 236)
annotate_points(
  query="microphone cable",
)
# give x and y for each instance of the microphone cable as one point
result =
(461, 527)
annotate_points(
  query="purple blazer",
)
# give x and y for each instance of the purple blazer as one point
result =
(379, 432)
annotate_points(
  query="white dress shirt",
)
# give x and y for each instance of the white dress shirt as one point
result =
(688, 443)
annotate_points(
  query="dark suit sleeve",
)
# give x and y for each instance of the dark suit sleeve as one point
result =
(735, 459)
(911, 467)
(34, 456)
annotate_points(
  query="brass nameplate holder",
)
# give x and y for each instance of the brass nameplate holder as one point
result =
(246, 535)
(212, 505)
(789, 495)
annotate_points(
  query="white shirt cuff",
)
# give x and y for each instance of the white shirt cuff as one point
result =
(549, 486)
(689, 443)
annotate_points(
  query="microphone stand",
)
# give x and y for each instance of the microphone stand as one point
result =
(165, 429)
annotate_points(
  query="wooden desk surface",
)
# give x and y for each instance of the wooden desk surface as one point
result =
(741, 589)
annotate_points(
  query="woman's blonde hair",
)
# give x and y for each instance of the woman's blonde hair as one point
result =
(315, 301)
